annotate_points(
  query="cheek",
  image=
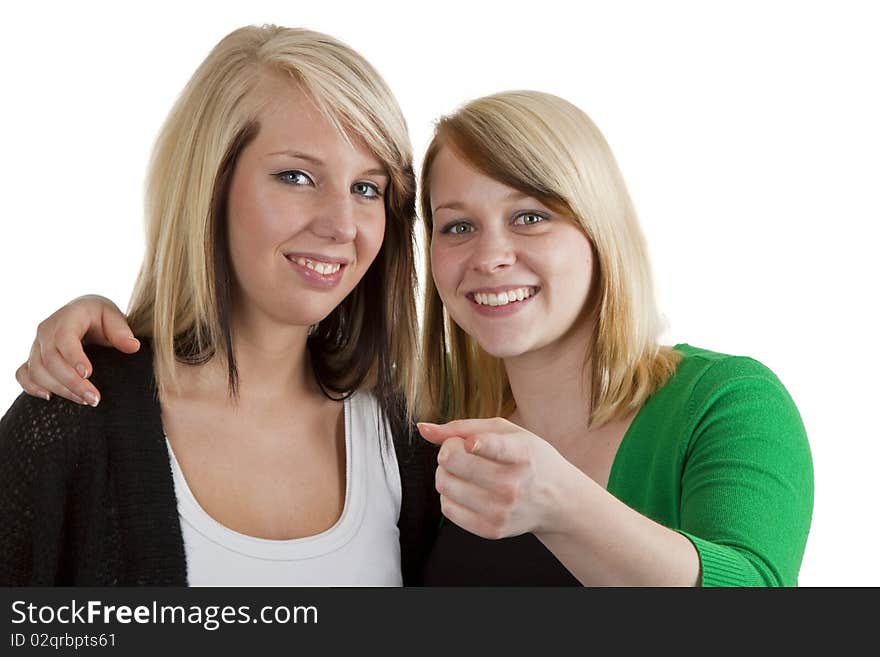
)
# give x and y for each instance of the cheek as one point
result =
(259, 219)
(254, 216)
(249, 240)
(243, 243)
(578, 275)
(371, 234)
(443, 268)
(565, 263)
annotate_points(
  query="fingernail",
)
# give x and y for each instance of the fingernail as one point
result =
(92, 398)
(45, 395)
(79, 400)
(475, 447)
(81, 370)
(425, 424)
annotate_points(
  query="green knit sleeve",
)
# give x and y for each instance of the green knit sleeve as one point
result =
(747, 484)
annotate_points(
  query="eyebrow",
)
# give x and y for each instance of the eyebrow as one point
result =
(320, 163)
(455, 205)
(512, 195)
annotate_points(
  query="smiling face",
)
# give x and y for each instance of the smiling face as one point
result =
(512, 273)
(306, 214)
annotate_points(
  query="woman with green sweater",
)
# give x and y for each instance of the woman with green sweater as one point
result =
(574, 448)
(608, 459)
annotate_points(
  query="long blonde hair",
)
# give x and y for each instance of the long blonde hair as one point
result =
(549, 149)
(182, 296)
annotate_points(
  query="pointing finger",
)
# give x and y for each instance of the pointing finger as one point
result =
(498, 448)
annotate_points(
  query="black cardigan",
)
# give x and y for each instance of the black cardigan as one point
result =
(87, 495)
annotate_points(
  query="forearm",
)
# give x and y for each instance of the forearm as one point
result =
(603, 542)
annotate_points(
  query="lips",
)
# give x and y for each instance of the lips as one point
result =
(318, 270)
(503, 296)
(502, 301)
(320, 263)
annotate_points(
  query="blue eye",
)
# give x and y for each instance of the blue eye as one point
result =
(365, 189)
(457, 228)
(294, 177)
(529, 219)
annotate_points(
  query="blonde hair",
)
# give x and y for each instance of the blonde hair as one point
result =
(549, 149)
(182, 296)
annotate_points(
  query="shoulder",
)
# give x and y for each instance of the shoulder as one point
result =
(37, 431)
(736, 399)
(364, 418)
(59, 431)
(696, 360)
(110, 365)
(718, 394)
(703, 374)
(413, 453)
(125, 381)
(364, 403)
(365, 413)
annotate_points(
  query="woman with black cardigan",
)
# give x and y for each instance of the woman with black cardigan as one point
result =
(256, 430)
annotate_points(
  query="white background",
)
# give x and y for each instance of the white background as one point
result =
(747, 132)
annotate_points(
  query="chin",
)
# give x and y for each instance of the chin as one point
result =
(495, 342)
(303, 314)
(502, 348)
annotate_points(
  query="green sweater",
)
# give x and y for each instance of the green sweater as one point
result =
(720, 455)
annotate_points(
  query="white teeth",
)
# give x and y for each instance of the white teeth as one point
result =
(324, 268)
(504, 298)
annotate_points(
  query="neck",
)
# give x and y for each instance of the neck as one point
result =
(551, 388)
(271, 360)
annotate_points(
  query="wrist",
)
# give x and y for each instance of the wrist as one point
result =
(567, 497)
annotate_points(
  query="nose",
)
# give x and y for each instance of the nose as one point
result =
(336, 219)
(494, 252)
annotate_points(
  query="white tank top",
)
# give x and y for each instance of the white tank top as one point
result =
(361, 549)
